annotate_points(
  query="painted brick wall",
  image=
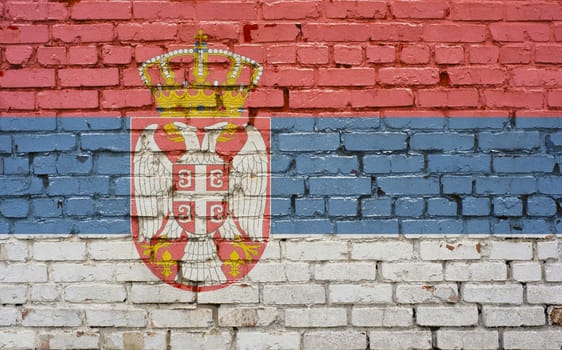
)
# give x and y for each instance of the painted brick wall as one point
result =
(416, 187)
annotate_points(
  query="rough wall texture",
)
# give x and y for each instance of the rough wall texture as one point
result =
(406, 118)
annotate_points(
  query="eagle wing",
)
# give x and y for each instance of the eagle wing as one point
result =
(248, 185)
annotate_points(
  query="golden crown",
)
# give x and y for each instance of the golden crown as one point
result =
(181, 94)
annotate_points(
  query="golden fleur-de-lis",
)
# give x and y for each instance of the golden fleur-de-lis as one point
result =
(166, 263)
(234, 263)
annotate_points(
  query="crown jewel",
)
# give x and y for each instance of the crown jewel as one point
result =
(183, 92)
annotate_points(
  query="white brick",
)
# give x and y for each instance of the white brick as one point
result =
(116, 318)
(59, 251)
(17, 339)
(98, 293)
(44, 292)
(511, 250)
(385, 251)
(316, 250)
(493, 294)
(544, 294)
(412, 272)
(14, 250)
(109, 249)
(297, 272)
(476, 271)
(23, 273)
(454, 316)
(348, 339)
(553, 272)
(294, 294)
(316, 317)
(13, 294)
(233, 316)
(182, 318)
(79, 272)
(135, 340)
(49, 317)
(72, 340)
(280, 272)
(441, 250)
(400, 340)
(249, 340)
(498, 316)
(272, 250)
(345, 271)
(382, 316)
(8, 315)
(234, 294)
(526, 271)
(159, 293)
(212, 340)
(467, 339)
(133, 272)
(360, 293)
(547, 250)
(532, 340)
(424, 293)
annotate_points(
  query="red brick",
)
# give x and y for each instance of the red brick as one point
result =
(477, 11)
(266, 98)
(532, 11)
(101, 10)
(17, 100)
(319, 98)
(558, 32)
(288, 76)
(520, 31)
(213, 30)
(51, 55)
(82, 55)
(530, 76)
(21, 78)
(75, 77)
(23, 33)
(281, 54)
(452, 98)
(84, 33)
(18, 54)
(144, 53)
(554, 98)
(415, 54)
(356, 9)
(348, 54)
(131, 78)
(548, 54)
(409, 76)
(449, 54)
(273, 32)
(381, 54)
(515, 54)
(113, 99)
(146, 31)
(67, 99)
(336, 32)
(477, 75)
(312, 54)
(514, 99)
(36, 11)
(225, 10)
(255, 52)
(423, 9)
(396, 32)
(382, 98)
(455, 33)
(290, 10)
(346, 77)
(117, 54)
(490, 113)
(483, 54)
(163, 10)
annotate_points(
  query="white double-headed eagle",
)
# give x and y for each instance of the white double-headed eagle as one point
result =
(156, 191)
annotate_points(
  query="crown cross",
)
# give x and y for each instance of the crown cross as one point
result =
(198, 97)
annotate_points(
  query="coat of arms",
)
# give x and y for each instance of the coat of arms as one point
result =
(200, 171)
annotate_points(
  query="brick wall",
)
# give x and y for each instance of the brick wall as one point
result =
(415, 161)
